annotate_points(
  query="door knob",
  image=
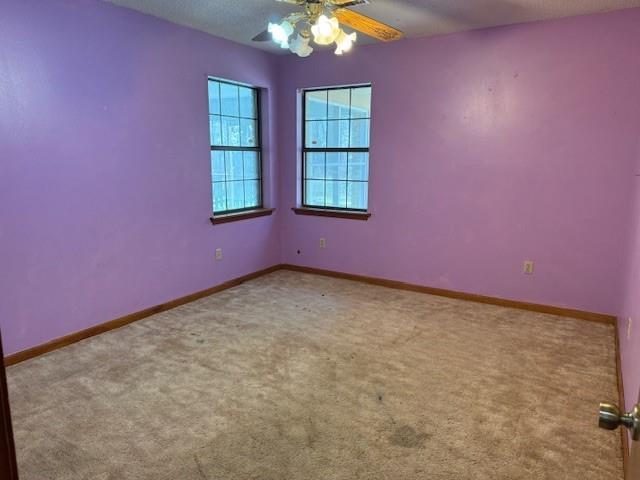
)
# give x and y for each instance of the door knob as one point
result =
(610, 418)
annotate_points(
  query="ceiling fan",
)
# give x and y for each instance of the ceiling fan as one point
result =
(320, 21)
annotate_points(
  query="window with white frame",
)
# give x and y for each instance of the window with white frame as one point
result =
(335, 154)
(236, 164)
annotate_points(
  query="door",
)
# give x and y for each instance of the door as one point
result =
(8, 465)
(611, 418)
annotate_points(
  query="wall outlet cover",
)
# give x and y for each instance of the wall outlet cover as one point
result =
(527, 269)
(218, 254)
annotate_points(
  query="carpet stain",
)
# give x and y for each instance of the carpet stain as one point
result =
(199, 466)
(408, 437)
(312, 434)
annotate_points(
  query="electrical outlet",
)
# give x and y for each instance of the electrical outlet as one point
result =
(528, 267)
(323, 242)
(218, 254)
(628, 328)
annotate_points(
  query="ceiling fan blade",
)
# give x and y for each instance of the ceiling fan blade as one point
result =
(368, 25)
(263, 36)
(348, 3)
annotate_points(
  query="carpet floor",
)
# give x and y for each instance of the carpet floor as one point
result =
(301, 377)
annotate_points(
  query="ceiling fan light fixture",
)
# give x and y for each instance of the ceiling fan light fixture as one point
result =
(325, 30)
(320, 22)
(300, 46)
(344, 42)
(280, 33)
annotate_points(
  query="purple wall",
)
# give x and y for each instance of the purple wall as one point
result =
(488, 148)
(104, 171)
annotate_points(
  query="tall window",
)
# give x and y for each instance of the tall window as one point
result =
(234, 124)
(336, 148)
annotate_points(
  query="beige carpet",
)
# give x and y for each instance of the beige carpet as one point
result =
(295, 376)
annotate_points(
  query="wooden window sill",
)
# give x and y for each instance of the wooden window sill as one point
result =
(321, 212)
(235, 217)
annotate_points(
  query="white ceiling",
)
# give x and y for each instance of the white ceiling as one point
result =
(241, 20)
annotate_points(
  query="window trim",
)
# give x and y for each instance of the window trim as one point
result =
(316, 210)
(233, 214)
(241, 215)
(333, 213)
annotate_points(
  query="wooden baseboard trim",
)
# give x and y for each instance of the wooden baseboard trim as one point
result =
(623, 431)
(134, 317)
(533, 307)
(127, 319)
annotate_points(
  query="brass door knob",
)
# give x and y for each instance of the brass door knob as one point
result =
(610, 418)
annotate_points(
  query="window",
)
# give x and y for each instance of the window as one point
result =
(336, 148)
(236, 165)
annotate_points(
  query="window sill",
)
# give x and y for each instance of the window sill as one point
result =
(320, 212)
(235, 217)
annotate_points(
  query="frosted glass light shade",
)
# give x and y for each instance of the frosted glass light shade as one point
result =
(344, 42)
(280, 33)
(325, 30)
(300, 46)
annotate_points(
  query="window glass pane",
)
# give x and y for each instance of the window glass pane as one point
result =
(338, 133)
(314, 165)
(248, 102)
(359, 166)
(214, 98)
(314, 193)
(251, 165)
(219, 197)
(215, 130)
(359, 134)
(234, 166)
(357, 195)
(230, 132)
(235, 195)
(339, 103)
(336, 194)
(217, 166)
(252, 193)
(248, 133)
(229, 99)
(336, 166)
(316, 134)
(316, 105)
(361, 102)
